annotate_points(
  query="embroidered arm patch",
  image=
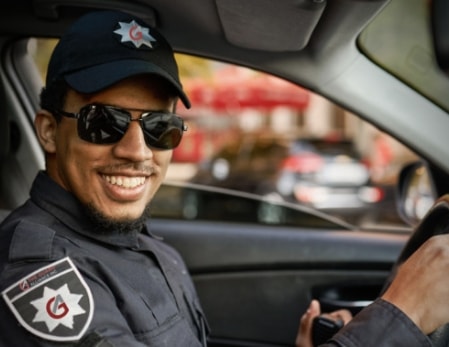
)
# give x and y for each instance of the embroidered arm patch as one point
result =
(54, 302)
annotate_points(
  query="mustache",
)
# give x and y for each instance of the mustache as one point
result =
(135, 167)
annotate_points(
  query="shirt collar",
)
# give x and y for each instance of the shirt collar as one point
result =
(65, 207)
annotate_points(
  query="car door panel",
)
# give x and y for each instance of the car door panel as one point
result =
(255, 282)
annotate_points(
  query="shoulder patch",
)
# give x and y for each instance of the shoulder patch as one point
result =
(53, 302)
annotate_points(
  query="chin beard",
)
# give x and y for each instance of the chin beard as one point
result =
(106, 225)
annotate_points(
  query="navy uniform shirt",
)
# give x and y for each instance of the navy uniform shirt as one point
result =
(64, 285)
(380, 324)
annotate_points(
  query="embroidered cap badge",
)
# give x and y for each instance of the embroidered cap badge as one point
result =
(133, 32)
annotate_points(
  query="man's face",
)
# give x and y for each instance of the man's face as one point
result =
(117, 180)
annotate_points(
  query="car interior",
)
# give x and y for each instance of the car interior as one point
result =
(257, 260)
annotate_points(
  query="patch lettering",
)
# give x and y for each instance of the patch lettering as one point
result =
(53, 302)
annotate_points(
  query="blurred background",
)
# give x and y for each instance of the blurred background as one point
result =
(256, 133)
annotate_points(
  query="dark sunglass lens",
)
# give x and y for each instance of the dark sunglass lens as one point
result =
(102, 124)
(162, 130)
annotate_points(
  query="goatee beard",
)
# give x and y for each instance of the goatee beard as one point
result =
(106, 225)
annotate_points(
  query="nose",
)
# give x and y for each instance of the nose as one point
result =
(132, 145)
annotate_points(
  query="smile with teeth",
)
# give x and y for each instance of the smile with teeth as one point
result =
(124, 181)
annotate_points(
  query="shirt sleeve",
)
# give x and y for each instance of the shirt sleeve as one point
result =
(380, 324)
(59, 289)
(108, 328)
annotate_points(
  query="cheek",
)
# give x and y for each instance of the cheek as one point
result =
(162, 161)
(164, 164)
(76, 160)
(79, 158)
(164, 158)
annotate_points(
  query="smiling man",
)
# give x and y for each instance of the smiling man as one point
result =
(78, 263)
(116, 181)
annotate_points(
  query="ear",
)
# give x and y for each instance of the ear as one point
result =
(46, 126)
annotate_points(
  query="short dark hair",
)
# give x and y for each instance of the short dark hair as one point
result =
(53, 97)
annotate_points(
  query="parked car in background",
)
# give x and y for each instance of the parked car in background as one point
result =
(241, 165)
(328, 175)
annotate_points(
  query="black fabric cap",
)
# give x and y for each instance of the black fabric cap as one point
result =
(102, 48)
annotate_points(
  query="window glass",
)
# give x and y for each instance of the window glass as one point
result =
(275, 145)
(410, 57)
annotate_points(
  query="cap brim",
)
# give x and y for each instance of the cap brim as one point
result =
(99, 77)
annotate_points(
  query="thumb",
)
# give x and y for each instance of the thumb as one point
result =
(304, 337)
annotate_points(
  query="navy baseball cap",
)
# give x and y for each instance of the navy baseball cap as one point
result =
(104, 47)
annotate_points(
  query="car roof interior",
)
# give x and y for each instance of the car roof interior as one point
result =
(303, 29)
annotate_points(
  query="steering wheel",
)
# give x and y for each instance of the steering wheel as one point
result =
(435, 222)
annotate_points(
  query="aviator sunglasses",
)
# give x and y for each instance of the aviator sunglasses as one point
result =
(103, 124)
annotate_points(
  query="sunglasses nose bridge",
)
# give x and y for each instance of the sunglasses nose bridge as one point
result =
(139, 120)
(132, 144)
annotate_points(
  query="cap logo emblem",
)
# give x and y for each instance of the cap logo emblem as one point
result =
(133, 32)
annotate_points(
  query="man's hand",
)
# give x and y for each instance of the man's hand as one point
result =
(421, 286)
(304, 336)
